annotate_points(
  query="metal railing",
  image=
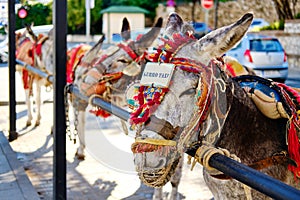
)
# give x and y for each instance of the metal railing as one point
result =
(253, 178)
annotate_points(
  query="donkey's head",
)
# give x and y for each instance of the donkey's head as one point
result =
(38, 50)
(24, 45)
(167, 116)
(118, 58)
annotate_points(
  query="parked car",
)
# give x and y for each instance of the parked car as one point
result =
(44, 29)
(201, 28)
(264, 54)
(258, 23)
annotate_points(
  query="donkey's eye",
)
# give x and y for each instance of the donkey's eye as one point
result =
(191, 91)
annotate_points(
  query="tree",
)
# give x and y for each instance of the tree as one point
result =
(283, 8)
(75, 14)
(37, 14)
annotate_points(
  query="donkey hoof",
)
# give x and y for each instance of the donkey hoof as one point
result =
(79, 156)
(37, 124)
(28, 123)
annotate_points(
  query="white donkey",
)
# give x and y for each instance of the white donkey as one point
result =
(203, 110)
(25, 48)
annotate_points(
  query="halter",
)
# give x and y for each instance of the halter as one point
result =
(100, 65)
(150, 97)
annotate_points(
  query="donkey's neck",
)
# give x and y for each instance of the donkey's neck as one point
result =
(247, 132)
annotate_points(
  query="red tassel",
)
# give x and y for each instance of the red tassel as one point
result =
(294, 150)
(100, 113)
(25, 79)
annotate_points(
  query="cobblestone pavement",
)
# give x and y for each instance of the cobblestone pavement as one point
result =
(88, 179)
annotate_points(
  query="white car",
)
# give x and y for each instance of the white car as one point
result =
(264, 54)
(36, 29)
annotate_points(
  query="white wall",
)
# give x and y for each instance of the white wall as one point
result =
(112, 22)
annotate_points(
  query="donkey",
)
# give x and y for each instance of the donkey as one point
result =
(25, 46)
(100, 71)
(203, 109)
(90, 77)
(32, 49)
(40, 55)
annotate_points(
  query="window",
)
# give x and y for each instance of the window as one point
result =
(268, 45)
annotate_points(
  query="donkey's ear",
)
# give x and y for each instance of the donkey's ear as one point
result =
(217, 42)
(92, 53)
(125, 31)
(31, 34)
(147, 39)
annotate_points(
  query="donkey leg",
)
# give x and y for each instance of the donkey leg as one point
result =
(28, 103)
(175, 180)
(158, 194)
(38, 103)
(80, 131)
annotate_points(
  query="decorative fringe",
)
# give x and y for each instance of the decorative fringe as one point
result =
(294, 149)
(147, 98)
(292, 99)
(100, 113)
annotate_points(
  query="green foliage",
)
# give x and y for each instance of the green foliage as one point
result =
(274, 26)
(2, 31)
(76, 17)
(75, 14)
(37, 14)
(297, 16)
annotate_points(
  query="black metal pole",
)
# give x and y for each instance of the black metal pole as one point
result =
(259, 181)
(107, 106)
(37, 71)
(12, 70)
(60, 47)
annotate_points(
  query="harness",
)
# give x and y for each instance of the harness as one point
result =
(74, 57)
(23, 52)
(96, 82)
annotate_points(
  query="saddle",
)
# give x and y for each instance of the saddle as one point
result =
(274, 100)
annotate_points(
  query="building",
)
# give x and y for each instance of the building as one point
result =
(113, 17)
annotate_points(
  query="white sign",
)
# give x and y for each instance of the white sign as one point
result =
(157, 74)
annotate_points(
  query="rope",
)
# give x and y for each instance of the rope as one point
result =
(156, 141)
(204, 153)
(91, 98)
